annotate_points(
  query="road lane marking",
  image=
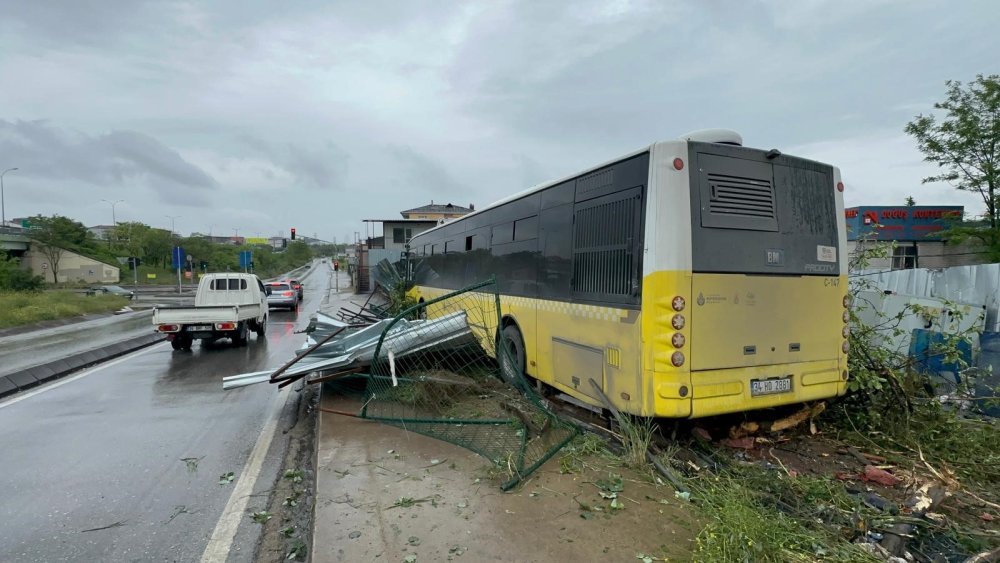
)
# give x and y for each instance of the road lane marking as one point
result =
(221, 541)
(27, 395)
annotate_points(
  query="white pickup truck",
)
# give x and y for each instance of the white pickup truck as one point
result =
(228, 305)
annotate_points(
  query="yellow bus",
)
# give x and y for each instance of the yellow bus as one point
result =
(693, 277)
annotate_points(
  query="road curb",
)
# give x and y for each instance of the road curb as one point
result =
(27, 378)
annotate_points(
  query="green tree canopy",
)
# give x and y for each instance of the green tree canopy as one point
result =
(965, 145)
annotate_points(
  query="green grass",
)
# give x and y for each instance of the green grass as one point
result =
(814, 522)
(24, 308)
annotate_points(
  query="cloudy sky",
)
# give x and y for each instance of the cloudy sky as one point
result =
(262, 115)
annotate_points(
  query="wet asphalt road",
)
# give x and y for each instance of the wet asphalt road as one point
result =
(106, 450)
(24, 350)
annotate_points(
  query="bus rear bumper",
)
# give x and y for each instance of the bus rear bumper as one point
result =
(725, 391)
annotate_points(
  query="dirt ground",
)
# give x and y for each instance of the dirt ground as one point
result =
(287, 534)
(385, 494)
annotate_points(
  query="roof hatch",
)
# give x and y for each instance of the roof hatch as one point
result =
(718, 136)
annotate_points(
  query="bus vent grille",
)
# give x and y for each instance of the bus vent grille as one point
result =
(741, 197)
(596, 181)
(604, 236)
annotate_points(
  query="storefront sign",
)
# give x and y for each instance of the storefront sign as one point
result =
(918, 223)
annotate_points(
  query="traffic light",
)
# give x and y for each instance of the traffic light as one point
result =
(293, 233)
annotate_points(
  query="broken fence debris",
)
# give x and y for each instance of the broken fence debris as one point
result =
(356, 349)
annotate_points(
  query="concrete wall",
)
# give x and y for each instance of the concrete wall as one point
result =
(73, 267)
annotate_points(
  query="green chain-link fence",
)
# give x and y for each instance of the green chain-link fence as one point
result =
(436, 371)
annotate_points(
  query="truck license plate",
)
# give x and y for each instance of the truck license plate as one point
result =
(199, 328)
(770, 386)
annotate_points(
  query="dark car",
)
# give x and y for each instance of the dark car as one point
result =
(111, 290)
(297, 287)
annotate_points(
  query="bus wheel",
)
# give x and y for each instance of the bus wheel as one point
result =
(512, 358)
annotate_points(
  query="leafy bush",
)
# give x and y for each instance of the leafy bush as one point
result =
(13, 277)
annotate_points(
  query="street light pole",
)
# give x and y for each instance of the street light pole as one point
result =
(172, 218)
(3, 209)
(114, 219)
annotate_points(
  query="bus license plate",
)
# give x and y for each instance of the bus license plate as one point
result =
(770, 386)
(199, 328)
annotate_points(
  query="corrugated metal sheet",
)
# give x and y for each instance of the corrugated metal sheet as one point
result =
(376, 255)
(979, 284)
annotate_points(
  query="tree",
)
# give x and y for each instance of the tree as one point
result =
(56, 234)
(298, 253)
(965, 145)
(910, 202)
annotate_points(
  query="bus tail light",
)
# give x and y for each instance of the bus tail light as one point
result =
(677, 358)
(847, 301)
(840, 186)
(677, 340)
(847, 316)
(845, 347)
(846, 332)
(677, 322)
(225, 326)
(678, 303)
(678, 164)
(169, 328)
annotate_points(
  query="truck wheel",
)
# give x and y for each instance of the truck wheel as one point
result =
(240, 337)
(262, 327)
(182, 342)
(175, 343)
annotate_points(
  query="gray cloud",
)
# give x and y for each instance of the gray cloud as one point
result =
(419, 173)
(323, 166)
(119, 158)
(372, 107)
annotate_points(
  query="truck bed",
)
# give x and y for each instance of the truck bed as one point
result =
(204, 315)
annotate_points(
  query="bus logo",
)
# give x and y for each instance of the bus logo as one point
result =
(775, 257)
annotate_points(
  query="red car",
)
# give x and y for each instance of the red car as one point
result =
(297, 287)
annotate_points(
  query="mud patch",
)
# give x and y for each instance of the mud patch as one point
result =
(385, 494)
(287, 535)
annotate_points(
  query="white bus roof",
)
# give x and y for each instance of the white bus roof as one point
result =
(726, 136)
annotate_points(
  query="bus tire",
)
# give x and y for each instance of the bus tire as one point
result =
(512, 363)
